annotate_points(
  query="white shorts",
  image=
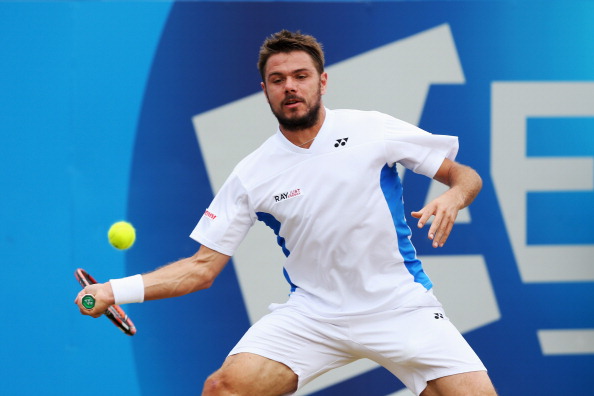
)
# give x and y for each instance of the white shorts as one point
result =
(415, 344)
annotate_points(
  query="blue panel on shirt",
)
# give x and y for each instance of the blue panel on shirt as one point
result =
(392, 189)
(273, 223)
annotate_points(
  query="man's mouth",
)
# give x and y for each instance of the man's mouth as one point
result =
(292, 102)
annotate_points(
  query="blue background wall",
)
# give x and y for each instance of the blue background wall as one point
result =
(96, 101)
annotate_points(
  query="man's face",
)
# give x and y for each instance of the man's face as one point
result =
(294, 89)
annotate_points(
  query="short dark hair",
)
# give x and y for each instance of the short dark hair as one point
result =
(286, 41)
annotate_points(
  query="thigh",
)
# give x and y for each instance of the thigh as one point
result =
(476, 383)
(307, 346)
(419, 345)
(249, 374)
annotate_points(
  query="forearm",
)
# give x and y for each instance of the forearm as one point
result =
(464, 182)
(173, 280)
(179, 278)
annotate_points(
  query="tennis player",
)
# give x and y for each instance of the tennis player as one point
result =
(326, 183)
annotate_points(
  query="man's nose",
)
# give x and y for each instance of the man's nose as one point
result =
(290, 85)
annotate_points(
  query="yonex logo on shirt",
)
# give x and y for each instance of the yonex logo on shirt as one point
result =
(287, 195)
(341, 142)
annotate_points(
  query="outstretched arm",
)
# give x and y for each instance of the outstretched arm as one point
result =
(176, 279)
(464, 184)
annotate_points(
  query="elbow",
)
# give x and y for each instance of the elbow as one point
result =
(479, 182)
(474, 188)
(207, 278)
(203, 276)
(206, 265)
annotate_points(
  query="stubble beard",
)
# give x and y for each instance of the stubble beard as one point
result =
(308, 120)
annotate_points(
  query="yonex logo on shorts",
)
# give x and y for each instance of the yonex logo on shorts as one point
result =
(287, 195)
(438, 315)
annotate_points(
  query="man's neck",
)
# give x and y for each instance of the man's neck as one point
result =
(305, 137)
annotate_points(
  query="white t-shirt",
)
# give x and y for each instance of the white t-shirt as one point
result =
(336, 209)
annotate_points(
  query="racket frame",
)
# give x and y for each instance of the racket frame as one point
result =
(114, 313)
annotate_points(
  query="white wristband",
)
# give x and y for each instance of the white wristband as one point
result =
(128, 290)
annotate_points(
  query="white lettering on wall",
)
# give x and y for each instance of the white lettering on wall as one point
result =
(514, 174)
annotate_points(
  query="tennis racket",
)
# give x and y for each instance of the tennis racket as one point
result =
(114, 313)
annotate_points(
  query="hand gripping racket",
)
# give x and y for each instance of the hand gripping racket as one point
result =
(114, 313)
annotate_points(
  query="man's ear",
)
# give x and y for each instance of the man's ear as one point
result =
(323, 82)
(263, 86)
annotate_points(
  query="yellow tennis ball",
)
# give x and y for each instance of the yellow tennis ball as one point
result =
(121, 235)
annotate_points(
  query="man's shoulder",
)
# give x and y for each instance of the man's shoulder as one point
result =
(367, 124)
(371, 120)
(262, 149)
(255, 163)
(359, 114)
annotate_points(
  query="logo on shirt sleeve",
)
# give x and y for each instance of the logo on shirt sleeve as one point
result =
(209, 214)
(287, 195)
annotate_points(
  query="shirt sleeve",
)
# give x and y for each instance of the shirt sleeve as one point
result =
(416, 149)
(227, 220)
